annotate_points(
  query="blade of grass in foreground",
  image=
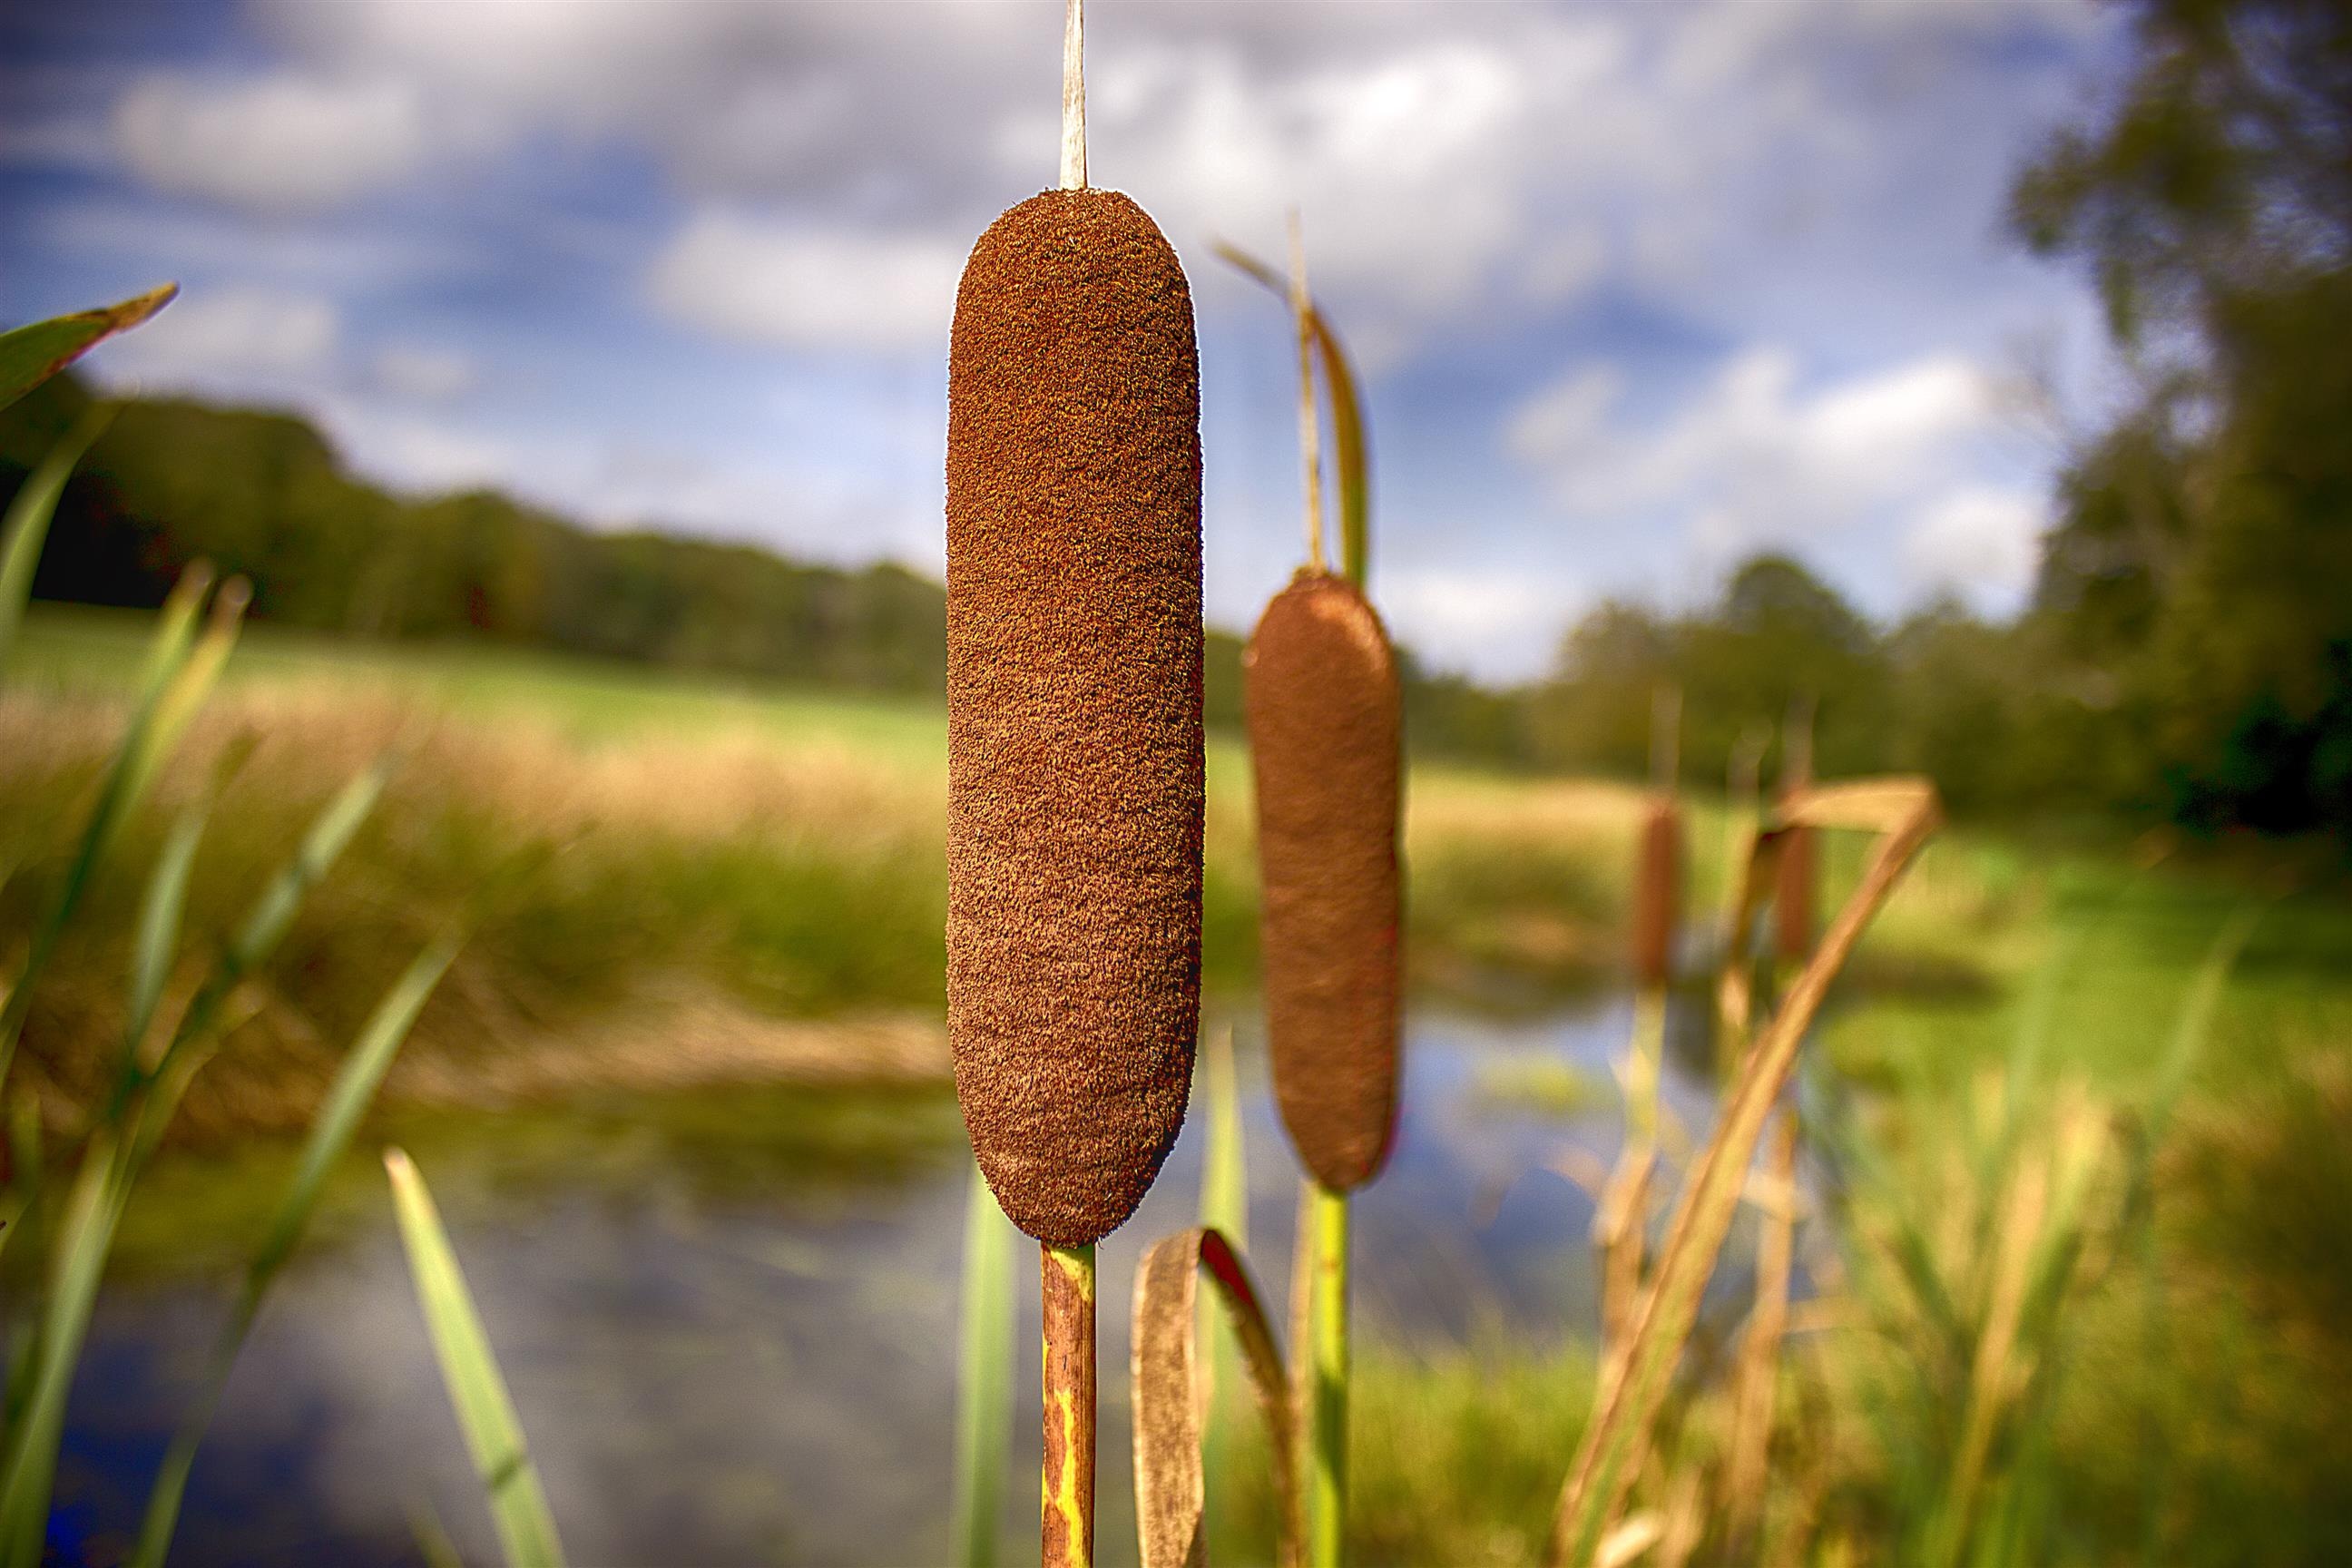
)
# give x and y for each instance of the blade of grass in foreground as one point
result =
(347, 1102)
(85, 1235)
(26, 526)
(31, 354)
(477, 1391)
(1225, 1208)
(169, 666)
(985, 1374)
(265, 926)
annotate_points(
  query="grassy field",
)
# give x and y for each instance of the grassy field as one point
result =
(748, 884)
(742, 883)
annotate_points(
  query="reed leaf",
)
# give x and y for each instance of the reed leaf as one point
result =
(1171, 1489)
(1634, 1380)
(1349, 451)
(338, 1119)
(266, 924)
(985, 1374)
(31, 354)
(26, 526)
(85, 1235)
(1225, 1208)
(1756, 1372)
(476, 1390)
(163, 679)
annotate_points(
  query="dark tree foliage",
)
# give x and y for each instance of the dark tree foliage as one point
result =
(2199, 586)
(265, 496)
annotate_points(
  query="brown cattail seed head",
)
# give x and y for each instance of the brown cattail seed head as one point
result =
(1322, 700)
(1074, 708)
(1793, 893)
(1657, 892)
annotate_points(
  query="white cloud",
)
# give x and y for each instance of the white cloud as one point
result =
(1983, 540)
(1469, 618)
(277, 143)
(755, 280)
(423, 373)
(1751, 459)
(231, 335)
(1565, 422)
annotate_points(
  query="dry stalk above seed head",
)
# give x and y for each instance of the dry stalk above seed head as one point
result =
(1075, 755)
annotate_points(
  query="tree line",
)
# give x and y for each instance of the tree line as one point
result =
(2187, 653)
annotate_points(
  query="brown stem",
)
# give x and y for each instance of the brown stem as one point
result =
(1067, 1474)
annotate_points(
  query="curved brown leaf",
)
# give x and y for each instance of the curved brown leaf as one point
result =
(1170, 1492)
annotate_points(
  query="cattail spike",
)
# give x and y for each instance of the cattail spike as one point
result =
(1074, 763)
(1658, 893)
(1322, 700)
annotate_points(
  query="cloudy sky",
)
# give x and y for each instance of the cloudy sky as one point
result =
(1638, 288)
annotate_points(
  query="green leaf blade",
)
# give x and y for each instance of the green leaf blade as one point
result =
(26, 526)
(984, 1375)
(478, 1391)
(32, 354)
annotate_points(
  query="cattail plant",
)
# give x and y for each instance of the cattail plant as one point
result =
(1323, 710)
(1074, 762)
(1621, 1217)
(1658, 867)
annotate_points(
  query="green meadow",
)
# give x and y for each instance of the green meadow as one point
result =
(735, 885)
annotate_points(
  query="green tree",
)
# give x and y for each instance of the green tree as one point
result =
(2199, 569)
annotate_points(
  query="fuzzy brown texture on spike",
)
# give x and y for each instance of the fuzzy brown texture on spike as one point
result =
(1321, 697)
(1658, 893)
(1074, 708)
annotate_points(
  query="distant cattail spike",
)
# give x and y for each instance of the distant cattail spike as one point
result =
(1074, 708)
(1322, 700)
(1658, 893)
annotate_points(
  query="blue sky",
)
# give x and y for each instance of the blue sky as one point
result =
(1637, 288)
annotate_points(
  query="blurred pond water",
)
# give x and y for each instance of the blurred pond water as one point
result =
(730, 1318)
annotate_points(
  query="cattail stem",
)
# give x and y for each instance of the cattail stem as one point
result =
(1066, 1472)
(1310, 425)
(1620, 1225)
(1074, 95)
(1327, 1415)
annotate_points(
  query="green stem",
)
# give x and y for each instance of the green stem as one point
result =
(1327, 1417)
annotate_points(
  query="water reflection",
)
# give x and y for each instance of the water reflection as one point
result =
(729, 1321)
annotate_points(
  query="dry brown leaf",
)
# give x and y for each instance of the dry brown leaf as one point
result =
(1170, 1492)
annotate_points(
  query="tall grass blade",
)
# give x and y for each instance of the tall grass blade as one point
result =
(156, 939)
(26, 525)
(1171, 1489)
(2197, 1014)
(31, 354)
(985, 1374)
(265, 926)
(340, 1113)
(1634, 1381)
(1225, 1208)
(170, 671)
(85, 1235)
(1756, 1373)
(476, 1390)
